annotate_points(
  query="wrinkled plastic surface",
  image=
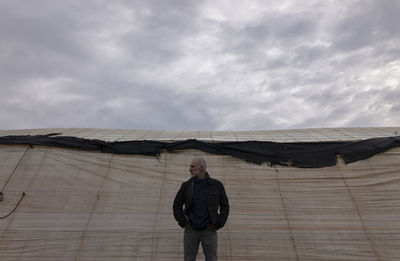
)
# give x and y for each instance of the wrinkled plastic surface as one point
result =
(82, 205)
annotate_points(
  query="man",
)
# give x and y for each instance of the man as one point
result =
(201, 196)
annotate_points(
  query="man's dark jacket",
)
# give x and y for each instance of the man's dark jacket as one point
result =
(215, 198)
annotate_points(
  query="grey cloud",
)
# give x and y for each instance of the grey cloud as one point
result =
(293, 26)
(391, 95)
(61, 38)
(276, 63)
(326, 96)
(151, 49)
(161, 31)
(364, 119)
(281, 27)
(133, 107)
(352, 108)
(281, 31)
(168, 109)
(33, 30)
(43, 41)
(306, 55)
(122, 64)
(330, 114)
(367, 23)
(395, 109)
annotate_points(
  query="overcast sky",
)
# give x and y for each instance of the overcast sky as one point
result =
(199, 65)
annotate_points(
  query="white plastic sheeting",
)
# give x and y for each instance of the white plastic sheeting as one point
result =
(92, 206)
(299, 135)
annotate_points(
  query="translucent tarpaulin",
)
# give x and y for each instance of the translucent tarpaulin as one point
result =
(83, 205)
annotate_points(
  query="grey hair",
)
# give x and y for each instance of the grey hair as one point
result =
(202, 162)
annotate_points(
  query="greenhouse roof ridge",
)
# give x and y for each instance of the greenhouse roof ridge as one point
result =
(285, 135)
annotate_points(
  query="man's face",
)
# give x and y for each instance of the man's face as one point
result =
(195, 168)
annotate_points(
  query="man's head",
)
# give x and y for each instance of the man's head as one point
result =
(198, 168)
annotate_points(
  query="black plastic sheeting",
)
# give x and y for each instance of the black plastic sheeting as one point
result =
(297, 154)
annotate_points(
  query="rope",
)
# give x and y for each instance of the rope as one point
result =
(19, 201)
(9, 178)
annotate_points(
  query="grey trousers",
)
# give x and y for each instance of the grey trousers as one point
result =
(209, 243)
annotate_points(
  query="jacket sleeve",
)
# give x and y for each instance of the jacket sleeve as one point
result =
(178, 207)
(223, 208)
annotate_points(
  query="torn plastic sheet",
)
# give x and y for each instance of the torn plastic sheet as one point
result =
(298, 154)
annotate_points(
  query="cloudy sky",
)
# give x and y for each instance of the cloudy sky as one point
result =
(199, 65)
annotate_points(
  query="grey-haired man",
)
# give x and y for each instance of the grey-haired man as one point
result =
(196, 208)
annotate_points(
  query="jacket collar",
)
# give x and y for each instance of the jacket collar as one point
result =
(208, 178)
